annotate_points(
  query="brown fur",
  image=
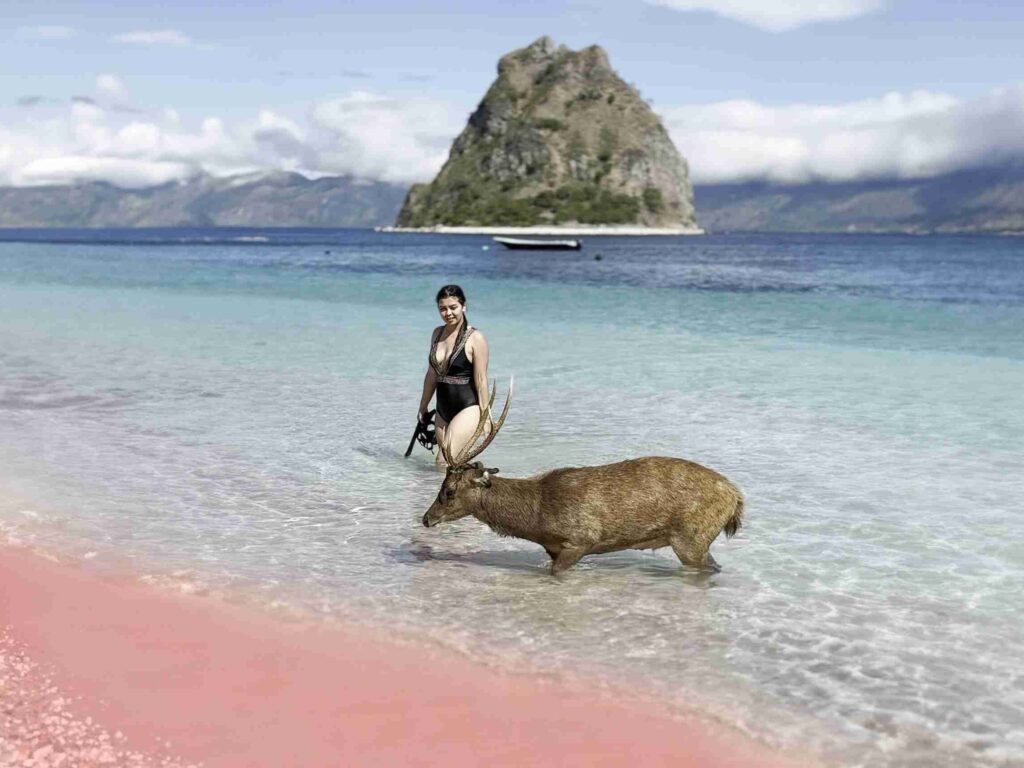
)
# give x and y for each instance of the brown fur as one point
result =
(636, 504)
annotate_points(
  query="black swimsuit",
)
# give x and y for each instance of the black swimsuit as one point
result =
(455, 387)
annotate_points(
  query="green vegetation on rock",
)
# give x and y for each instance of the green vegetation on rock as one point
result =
(652, 199)
(582, 203)
(549, 124)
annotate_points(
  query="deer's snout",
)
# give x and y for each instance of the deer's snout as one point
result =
(426, 519)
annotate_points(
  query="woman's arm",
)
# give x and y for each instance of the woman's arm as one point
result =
(429, 381)
(429, 385)
(479, 360)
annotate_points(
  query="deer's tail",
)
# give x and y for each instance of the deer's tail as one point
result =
(733, 523)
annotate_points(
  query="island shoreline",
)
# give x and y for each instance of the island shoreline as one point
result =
(541, 231)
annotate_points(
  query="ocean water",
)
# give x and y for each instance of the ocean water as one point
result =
(228, 411)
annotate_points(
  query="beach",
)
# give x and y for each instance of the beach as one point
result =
(133, 675)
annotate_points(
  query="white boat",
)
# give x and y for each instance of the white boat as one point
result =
(518, 244)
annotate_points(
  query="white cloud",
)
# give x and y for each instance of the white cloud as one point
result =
(360, 134)
(111, 85)
(372, 136)
(777, 15)
(47, 33)
(123, 173)
(903, 135)
(86, 142)
(154, 37)
(384, 138)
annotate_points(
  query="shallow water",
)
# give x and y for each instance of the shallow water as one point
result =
(232, 415)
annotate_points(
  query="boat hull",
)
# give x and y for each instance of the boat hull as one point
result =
(517, 244)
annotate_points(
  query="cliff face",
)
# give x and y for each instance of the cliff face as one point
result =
(559, 138)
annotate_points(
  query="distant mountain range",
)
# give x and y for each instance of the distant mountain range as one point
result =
(966, 201)
(983, 200)
(272, 199)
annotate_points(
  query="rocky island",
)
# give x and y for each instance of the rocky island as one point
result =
(559, 143)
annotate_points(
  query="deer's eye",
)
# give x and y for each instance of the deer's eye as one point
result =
(445, 496)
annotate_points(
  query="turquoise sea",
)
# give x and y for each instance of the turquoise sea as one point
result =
(227, 410)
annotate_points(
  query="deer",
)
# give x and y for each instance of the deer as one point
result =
(644, 503)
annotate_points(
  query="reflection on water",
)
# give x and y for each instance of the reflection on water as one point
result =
(233, 418)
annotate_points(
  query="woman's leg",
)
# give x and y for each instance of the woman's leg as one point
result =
(440, 430)
(462, 428)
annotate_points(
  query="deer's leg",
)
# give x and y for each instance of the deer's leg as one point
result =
(567, 558)
(693, 553)
(552, 553)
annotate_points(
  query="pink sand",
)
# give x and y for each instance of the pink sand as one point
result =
(226, 687)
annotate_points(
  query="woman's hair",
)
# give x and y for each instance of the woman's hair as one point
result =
(451, 291)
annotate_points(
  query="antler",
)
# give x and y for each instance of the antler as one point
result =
(468, 453)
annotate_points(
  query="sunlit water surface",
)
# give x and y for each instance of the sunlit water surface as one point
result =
(232, 414)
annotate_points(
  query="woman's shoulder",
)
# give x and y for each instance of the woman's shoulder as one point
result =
(436, 333)
(476, 336)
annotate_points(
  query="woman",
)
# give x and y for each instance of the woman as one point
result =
(457, 373)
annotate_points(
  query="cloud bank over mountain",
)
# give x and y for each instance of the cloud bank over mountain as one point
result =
(899, 135)
(106, 137)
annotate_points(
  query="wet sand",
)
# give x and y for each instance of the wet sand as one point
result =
(103, 671)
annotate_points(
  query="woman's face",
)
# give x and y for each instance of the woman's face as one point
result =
(451, 310)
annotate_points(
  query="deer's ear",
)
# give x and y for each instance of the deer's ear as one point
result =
(493, 471)
(478, 465)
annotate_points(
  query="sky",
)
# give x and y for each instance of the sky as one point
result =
(139, 93)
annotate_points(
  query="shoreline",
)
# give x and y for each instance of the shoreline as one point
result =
(598, 231)
(186, 679)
